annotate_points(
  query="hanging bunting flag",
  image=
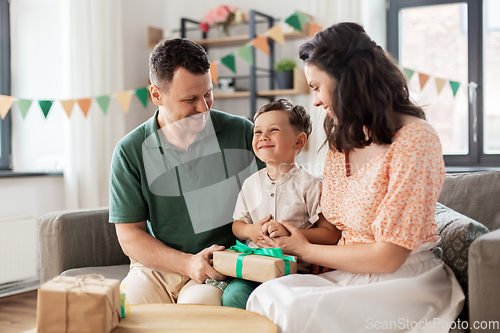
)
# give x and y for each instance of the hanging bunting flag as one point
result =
(85, 105)
(261, 43)
(314, 28)
(423, 79)
(124, 99)
(454, 86)
(5, 105)
(143, 94)
(440, 84)
(24, 106)
(245, 52)
(68, 106)
(303, 19)
(294, 22)
(213, 72)
(45, 106)
(229, 62)
(408, 73)
(103, 102)
(276, 34)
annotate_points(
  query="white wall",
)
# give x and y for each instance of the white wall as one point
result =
(37, 73)
(136, 17)
(31, 195)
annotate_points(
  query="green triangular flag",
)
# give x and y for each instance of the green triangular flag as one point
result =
(45, 106)
(454, 86)
(24, 105)
(143, 94)
(303, 19)
(228, 61)
(103, 102)
(408, 73)
(294, 21)
(245, 52)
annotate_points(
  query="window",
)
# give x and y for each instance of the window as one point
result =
(449, 51)
(4, 82)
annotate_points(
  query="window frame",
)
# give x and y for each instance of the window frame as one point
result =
(5, 83)
(476, 155)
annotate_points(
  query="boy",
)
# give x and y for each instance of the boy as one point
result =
(281, 191)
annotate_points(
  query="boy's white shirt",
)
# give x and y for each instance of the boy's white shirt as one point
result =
(295, 197)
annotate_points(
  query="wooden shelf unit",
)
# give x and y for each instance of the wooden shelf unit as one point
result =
(241, 39)
(300, 87)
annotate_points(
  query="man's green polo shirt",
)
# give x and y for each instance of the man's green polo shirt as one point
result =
(188, 198)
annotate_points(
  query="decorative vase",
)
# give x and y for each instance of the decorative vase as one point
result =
(284, 79)
(223, 30)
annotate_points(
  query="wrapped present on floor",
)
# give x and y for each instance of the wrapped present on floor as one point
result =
(80, 304)
(257, 265)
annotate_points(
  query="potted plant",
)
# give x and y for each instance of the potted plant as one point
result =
(284, 73)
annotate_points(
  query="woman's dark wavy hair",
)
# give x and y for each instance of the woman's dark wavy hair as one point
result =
(370, 87)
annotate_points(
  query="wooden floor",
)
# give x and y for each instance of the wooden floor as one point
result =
(18, 312)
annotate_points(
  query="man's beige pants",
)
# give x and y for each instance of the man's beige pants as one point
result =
(145, 285)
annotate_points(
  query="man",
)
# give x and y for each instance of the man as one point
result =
(175, 180)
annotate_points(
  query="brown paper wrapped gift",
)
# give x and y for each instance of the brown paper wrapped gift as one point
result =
(255, 267)
(78, 304)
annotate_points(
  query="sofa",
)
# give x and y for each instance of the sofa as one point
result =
(80, 242)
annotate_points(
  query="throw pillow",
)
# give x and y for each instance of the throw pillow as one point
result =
(457, 233)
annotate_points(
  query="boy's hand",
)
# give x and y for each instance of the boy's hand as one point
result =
(255, 229)
(274, 229)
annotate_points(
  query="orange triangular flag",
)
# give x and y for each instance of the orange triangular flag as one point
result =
(124, 99)
(261, 43)
(276, 33)
(440, 84)
(213, 72)
(5, 105)
(313, 29)
(68, 106)
(84, 105)
(423, 79)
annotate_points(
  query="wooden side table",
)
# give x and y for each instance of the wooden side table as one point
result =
(193, 318)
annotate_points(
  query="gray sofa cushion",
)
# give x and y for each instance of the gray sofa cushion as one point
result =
(117, 272)
(457, 233)
(77, 238)
(474, 194)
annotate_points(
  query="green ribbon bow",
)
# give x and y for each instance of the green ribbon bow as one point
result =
(271, 252)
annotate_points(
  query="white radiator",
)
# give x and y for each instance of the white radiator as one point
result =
(18, 254)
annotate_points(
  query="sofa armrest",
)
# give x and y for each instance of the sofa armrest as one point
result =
(484, 289)
(77, 238)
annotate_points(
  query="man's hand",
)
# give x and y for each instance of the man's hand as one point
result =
(274, 229)
(199, 268)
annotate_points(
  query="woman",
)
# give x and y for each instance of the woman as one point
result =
(383, 175)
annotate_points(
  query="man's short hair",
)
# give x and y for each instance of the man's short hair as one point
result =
(297, 114)
(170, 54)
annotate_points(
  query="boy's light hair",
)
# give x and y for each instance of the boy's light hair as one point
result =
(297, 114)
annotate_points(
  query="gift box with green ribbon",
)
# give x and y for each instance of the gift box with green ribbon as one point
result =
(257, 265)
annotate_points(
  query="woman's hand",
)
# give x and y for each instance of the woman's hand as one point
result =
(295, 244)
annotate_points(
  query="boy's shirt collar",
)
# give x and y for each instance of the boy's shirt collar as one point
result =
(283, 179)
